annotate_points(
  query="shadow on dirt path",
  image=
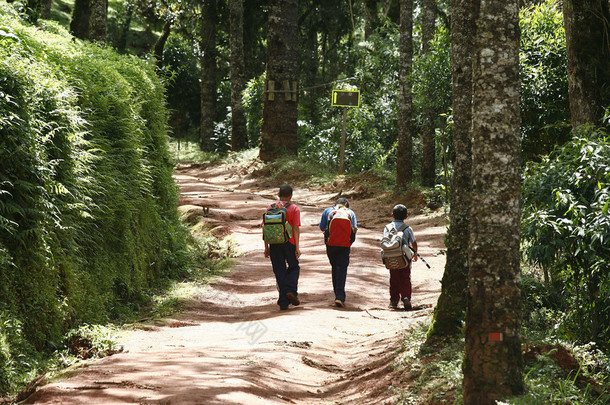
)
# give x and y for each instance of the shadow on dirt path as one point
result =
(234, 346)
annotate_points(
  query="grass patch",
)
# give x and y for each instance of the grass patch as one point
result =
(431, 371)
(556, 371)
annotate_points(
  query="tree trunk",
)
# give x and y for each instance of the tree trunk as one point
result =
(451, 305)
(371, 18)
(493, 365)
(122, 42)
(428, 130)
(45, 12)
(160, 44)
(279, 127)
(312, 64)
(33, 10)
(586, 25)
(404, 151)
(79, 26)
(98, 20)
(239, 134)
(208, 74)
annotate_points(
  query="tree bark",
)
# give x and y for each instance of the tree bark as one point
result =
(279, 127)
(239, 134)
(45, 12)
(586, 24)
(404, 150)
(208, 74)
(371, 18)
(125, 26)
(160, 44)
(34, 10)
(493, 365)
(428, 130)
(79, 25)
(451, 305)
(98, 20)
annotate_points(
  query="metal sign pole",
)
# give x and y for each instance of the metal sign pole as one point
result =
(342, 151)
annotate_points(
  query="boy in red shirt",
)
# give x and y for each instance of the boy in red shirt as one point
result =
(285, 256)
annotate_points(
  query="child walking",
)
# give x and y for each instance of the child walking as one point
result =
(285, 256)
(400, 278)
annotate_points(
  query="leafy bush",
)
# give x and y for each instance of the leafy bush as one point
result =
(253, 108)
(566, 230)
(180, 59)
(88, 218)
(544, 83)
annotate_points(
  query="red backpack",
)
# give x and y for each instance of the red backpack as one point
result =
(340, 229)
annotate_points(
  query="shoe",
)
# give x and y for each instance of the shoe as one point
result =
(394, 304)
(283, 308)
(339, 303)
(407, 304)
(294, 300)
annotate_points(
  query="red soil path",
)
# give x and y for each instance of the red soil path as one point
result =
(234, 346)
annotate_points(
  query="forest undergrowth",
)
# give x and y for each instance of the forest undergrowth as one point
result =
(559, 368)
(558, 371)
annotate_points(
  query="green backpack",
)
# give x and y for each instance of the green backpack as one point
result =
(276, 229)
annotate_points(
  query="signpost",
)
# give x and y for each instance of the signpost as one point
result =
(344, 98)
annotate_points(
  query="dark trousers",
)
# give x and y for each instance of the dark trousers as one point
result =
(286, 269)
(338, 256)
(400, 284)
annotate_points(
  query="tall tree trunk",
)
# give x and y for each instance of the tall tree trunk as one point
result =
(451, 305)
(208, 74)
(122, 42)
(493, 365)
(371, 19)
(279, 127)
(312, 64)
(160, 44)
(239, 134)
(98, 20)
(587, 25)
(79, 25)
(45, 12)
(428, 129)
(404, 151)
(33, 10)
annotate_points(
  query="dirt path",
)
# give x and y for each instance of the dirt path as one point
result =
(234, 346)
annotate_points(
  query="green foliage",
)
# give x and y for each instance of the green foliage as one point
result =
(253, 108)
(180, 60)
(433, 367)
(372, 129)
(13, 350)
(100, 339)
(88, 219)
(432, 79)
(556, 371)
(566, 229)
(544, 82)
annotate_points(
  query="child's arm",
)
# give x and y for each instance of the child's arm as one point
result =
(296, 231)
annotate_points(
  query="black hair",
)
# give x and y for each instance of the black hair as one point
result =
(342, 201)
(285, 190)
(399, 212)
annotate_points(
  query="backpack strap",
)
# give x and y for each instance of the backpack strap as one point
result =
(275, 205)
(401, 228)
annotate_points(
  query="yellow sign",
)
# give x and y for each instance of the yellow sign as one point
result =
(344, 98)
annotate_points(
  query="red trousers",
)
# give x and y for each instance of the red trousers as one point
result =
(400, 284)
